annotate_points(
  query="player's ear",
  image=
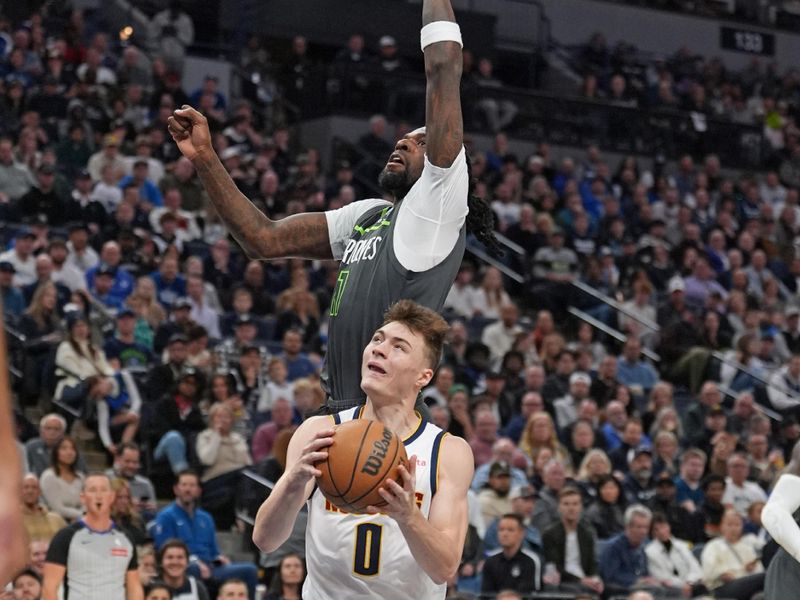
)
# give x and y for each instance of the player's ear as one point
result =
(425, 377)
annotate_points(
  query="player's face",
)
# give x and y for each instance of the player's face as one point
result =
(394, 362)
(404, 166)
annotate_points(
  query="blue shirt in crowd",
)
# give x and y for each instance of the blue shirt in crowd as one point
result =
(196, 530)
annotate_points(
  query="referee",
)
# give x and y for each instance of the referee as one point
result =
(92, 557)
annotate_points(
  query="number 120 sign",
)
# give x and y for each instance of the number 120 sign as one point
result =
(747, 41)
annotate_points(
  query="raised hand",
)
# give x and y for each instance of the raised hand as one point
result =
(189, 129)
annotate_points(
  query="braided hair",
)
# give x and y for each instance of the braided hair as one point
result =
(481, 219)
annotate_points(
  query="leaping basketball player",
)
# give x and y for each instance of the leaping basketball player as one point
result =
(783, 573)
(415, 547)
(411, 248)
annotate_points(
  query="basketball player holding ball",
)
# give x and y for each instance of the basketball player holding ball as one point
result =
(409, 248)
(413, 545)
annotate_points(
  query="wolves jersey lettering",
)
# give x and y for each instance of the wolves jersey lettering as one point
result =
(366, 556)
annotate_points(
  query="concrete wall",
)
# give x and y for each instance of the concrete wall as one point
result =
(574, 21)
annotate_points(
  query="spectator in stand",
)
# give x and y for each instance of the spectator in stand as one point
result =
(170, 283)
(512, 566)
(731, 564)
(163, 377)
(297, 362)
(179, 324)
(523, 501)
(117, 576)
(62, 482)
(44, 199)
(683, 524)
(740, 493)
(201, 313)
(554, 478)
(689, 489)
(63, 272)
(15, 178)
(108, 155)
(223, 453)
(40, 524)
(122, 351)
(126, 466)
(10, 295)
(111, 256)
(639, 483)
(179, 420)
(149, 194)
(281, 417)
(125, 515)
(635, 372)
(632, 441)
(606, 513)
(784, 387)
(491, 295)
(436, 393)
(21, 258)
(52, 428)
(462, 298)
(484, 436)
(500, 336)
(555, 266)
(541, 432)
(670, 560)
(184, 520)
(287, 582)
(27, 585)
(503, 451)
(173, 562)
(569, 544)
(494, 497)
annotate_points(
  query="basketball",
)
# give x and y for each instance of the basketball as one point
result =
(363, 455)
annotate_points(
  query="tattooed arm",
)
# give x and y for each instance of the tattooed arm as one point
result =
(443, 64)
(304, 235)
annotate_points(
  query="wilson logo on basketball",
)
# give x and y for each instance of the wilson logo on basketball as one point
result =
(374, 461)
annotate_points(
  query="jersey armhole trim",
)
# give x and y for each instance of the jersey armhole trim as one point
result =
(336, 419)
(437, 444)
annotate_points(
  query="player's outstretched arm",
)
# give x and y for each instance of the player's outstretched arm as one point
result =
(303, 235)
(777, 515)
(438, 541)
(276, 516)
(443, 64)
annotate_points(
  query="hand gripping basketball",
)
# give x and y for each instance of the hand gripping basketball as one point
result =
(315, 451)
(401, 502)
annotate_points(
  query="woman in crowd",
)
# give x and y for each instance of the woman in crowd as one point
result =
(581, 441)
(42, 329)
(541, 432)
(667, 451)
(62, 483)
(460, 418)
(125, 514)
(593, 467)
(221, 391)
(660, 397)
(491, 295)
(731, 564)
(607, 512)
(666, 420)
(150, 309)
(287, 583)
(223, 453)
(300, 311)
(87, 376)
(148, 567)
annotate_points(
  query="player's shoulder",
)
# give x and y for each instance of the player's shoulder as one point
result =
(456, 459)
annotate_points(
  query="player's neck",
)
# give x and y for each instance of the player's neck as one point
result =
(399, 417)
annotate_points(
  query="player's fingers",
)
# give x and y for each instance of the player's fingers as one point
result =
(392, 485)
(175, 125)
(325, 433)
(317, 444)
(313, 457)
(390, 498)
(187, 112)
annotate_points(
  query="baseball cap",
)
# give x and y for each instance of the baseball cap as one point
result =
(187, 372)
(664, 478)
(7, 267)
(494, 374)
(83, 174)
(244, 320)
(47, 169)
(716, 410)
(125, 312)
(25, 232)
(177, 338)
(499, 468)
(387, 40)
(642, 449)
(181, 302)
(230, 152)
(105, 269)
(523, 491)
(580, 376)
(792, 310)
(676, 284)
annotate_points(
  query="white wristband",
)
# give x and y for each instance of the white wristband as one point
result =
(440, 31)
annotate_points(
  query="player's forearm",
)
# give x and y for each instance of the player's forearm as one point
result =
(276, 516)
(443, 66)
(435, 552)
(245, 221)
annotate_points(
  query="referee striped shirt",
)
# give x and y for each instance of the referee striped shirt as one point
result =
(96, 562)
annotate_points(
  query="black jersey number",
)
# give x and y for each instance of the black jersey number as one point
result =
(336, 301)
(367, 555)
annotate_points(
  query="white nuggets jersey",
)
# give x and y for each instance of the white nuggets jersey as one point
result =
(366, 556)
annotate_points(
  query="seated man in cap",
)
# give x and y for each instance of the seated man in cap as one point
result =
(639, 484)
(21, 257)
(523, 500)
(101, 290)
(566, 408)
(494, 499)
(43, 199)
(179, 322)
(177, 420)
(149, 194)
(11, 296)
(122, 350)
(163, 377)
